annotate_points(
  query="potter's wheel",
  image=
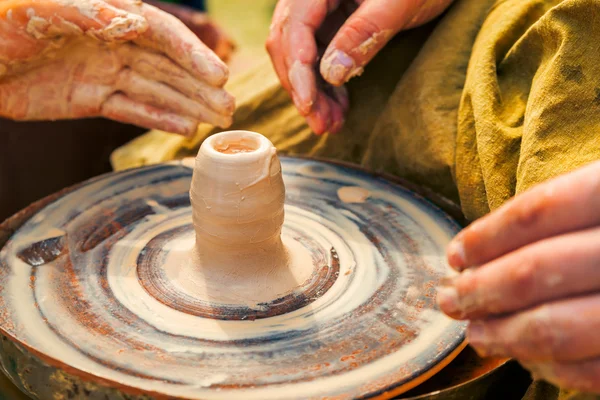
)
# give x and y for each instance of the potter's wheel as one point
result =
(85, 295)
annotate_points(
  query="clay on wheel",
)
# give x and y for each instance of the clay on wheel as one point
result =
(112, 287)
(237, 196)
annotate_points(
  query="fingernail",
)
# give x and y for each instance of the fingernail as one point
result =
(456, 254)
(336, 67)
(300, 76)
(447, 299)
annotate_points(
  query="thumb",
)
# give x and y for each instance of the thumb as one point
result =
(368, 30)
(51, 18)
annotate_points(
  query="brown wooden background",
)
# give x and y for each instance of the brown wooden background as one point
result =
(40, 158)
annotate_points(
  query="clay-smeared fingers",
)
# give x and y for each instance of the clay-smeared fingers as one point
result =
(38, 95)
(547, 270)
(362, 36)
(274, 44)
(292, 45)
(319, 119)
(339, 104)
(86, 99)
(165, 98)
(337, 117)
(562, 331)
(581, 376)
(121, 108)
(170, 36)
(202, 26)
(368, 30)
(156, 67)
(568, 203)
(298, 36)
(51, 18)
(303, 87)
(328, 112)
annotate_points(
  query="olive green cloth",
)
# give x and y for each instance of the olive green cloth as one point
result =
(495, 97)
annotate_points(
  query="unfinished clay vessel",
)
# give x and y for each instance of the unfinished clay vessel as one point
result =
(237, 197)
(234, 276)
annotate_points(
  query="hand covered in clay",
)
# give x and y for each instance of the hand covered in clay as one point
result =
(318, 45)
(120, 59)
(199, 23)
(531, 281)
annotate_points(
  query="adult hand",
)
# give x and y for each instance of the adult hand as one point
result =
(120, 59)
(337, 38)
(200, 23)
(531, 280)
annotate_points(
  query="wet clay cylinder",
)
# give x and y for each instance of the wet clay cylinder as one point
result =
(237, 196)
